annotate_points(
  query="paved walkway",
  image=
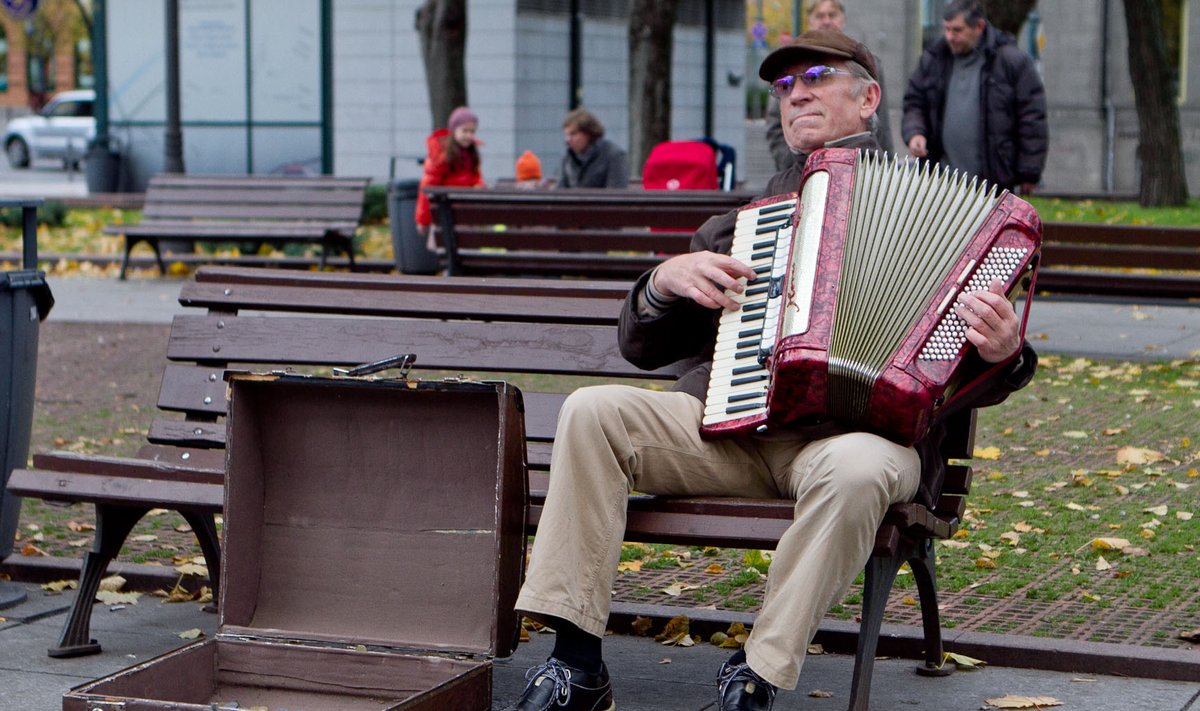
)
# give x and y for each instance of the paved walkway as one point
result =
(647, 676)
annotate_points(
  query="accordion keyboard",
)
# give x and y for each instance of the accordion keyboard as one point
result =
(738, 384)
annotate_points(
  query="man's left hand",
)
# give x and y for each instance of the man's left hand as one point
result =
(994, 329)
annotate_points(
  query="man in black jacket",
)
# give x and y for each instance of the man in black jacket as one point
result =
(976, 103)
(613, 439)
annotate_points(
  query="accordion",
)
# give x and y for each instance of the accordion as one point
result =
(850, 319)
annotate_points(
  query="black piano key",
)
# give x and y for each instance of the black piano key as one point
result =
(748, 379)
(758, 290)
(765, 254)
(742, 397)
(749, 342)
(752, 353)
(750, 332)
(772, 209)
(742, 370)
(753, 317)
(754, 305)
(734, 409)
(765, 269)
(763, 244)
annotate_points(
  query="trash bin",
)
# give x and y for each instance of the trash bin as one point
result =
(25, 300)
(102, 168)
(408, 245)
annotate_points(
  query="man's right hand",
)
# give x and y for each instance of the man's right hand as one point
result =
(917, 147)
(702, 277)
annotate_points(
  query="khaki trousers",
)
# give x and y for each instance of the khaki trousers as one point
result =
(613, 439)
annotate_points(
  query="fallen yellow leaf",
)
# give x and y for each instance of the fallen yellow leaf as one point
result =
(990, 453)
(1013, 701)
(111, 597)
(1138, 455)
(194, 633)
(112, 583)
(1109, 544)
(1156, 510)
(962, 661)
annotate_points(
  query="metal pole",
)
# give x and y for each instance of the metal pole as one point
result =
(710, 63)
(576, 57)
(29, 233)
(172, 133)
(100, 69)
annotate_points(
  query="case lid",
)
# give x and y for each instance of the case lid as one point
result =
(374, 512)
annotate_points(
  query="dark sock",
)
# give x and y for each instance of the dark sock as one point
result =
(574, 647)
(739, 657)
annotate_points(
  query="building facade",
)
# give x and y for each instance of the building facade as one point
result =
(274, 86)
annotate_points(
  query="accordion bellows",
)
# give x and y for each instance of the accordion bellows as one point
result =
(851, 316)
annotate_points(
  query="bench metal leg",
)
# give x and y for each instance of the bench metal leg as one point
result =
(113, 524)
(880, 574)
(924, 568)
(205, 527)
(129, 245)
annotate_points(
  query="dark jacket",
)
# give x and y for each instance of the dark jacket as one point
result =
(686, 333)
(602, 165)
(1013, 107)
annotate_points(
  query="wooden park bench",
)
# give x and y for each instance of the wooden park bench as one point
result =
(247, 208)
(605, 234)
(1142, 261)
(267, 319)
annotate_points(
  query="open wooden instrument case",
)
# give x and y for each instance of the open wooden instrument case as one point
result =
(373, 548)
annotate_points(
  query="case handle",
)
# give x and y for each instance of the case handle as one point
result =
(403, 362)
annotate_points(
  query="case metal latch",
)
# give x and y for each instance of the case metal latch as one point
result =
(403, 362)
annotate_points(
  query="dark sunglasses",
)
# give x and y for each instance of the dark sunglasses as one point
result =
(782, 87)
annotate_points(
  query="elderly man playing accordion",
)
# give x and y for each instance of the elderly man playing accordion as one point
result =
(614, 439)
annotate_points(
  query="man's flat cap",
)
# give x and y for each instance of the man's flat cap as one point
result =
(819, 43)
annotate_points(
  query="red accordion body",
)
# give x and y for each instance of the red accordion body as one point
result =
(863, 351)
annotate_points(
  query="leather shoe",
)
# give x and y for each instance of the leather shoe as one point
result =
(554, 685)
(740, 689)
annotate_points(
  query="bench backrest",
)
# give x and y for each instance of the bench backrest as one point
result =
(260, 319)
(337, 201)
(610, 233)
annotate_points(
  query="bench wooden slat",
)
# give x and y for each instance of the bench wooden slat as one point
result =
(320, 299)
(111, 466)
(227, 232)
(568, 240)
(566, 264)
(233, 277)
(1121, 256)
(1131, 235)
(119, 490)
(496, 347)
(248, 194)
(261, 210)
(256, 182)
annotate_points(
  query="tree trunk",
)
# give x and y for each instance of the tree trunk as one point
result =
(1008, 15)
(651, 43)
(1160, 150)
(442, 26)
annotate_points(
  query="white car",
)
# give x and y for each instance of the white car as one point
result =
(62, 130)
